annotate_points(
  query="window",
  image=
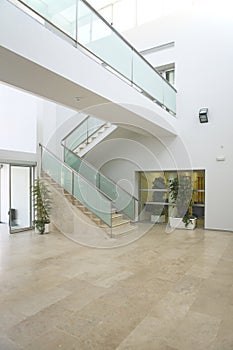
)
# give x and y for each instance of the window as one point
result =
(168, 72)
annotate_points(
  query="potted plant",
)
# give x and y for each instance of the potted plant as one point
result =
(41, 205)
(158, 197)
(180, 190)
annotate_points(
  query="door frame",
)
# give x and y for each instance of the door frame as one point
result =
(32, 171)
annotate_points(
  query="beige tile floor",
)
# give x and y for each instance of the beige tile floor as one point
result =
(162, 292)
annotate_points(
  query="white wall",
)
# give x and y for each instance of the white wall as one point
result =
(203, 56)
(18, 115)
(54, 123)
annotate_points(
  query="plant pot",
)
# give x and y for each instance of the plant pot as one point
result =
(178, 223)
(158, 218)
(47, 227)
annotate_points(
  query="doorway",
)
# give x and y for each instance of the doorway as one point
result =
(20, 197)
(16, 197)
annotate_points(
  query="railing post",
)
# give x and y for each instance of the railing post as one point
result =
(76, 27)
(111, 218)
(87, 130)
(41, 155)
(132, 67)
(72, 184)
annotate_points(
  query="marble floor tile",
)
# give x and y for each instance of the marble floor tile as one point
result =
(195, 332)
(55, 339)
(149, 335)
(162, 292)
(7, 344)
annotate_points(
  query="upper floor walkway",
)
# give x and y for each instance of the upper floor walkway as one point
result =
(40, 56)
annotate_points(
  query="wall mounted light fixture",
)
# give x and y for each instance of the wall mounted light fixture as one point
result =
(203, 115)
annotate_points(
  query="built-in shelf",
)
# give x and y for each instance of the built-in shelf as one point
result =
(154, 190)
(158, 203)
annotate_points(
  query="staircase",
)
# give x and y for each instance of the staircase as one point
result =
(87, 135)
(94, 139)
(89, 199)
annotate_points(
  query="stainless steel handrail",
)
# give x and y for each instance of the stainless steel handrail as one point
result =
(76, 127)
(114, 30)
(126, 42)
(97, 171)
(75, 172)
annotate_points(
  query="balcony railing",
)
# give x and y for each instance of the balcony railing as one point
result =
(80, 22)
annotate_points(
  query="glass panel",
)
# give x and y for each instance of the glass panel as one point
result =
(146, 78)
(94, 124)
(66, 179)
(92, 199)
(89, 173)
(78, 136)
(72, 160)
(60, 13)
(169, 97)
(20, 199)
(83, 168)
(108, 187)
(87, 194)
(51, 166)
(87, 128)
(125, 203)
(100, 39)
(122, 200)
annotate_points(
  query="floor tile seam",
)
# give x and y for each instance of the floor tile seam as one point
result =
(65, 332)
(129, 334)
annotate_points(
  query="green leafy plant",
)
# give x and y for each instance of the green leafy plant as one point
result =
(41, 205)
(180, 189)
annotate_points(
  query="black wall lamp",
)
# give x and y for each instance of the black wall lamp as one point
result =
(203, 115)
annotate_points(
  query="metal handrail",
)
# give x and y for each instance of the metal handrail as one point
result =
(76, 127)
(76, 173)
(97, 171)
(126, 42)
(112, 29)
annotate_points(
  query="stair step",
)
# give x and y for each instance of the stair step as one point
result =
(117, 218)
(116, 215)
(120, 226)
(122, 231)
(121, 223)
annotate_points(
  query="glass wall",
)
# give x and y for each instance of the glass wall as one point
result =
(20, 211)
(155, 200)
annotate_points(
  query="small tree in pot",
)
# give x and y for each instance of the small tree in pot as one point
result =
(41, 205)
(180, 189)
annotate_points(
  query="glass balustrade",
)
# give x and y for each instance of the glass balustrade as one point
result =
(79, 187)
(83, 133)
(123, 201)
(83, 24)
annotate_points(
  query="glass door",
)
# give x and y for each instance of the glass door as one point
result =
(20, 210)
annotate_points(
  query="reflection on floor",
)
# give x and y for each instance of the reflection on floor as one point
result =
(164, 291)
